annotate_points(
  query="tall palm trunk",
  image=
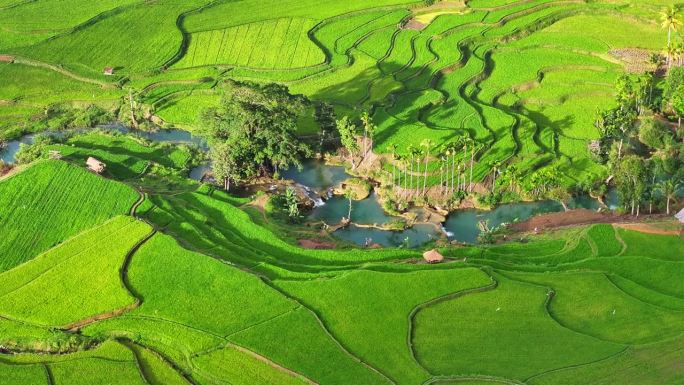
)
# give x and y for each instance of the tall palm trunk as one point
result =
(411, 183)
(453, 170)
(472, 160)
(427, 155)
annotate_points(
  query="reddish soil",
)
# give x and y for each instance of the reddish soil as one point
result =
(6, 58)
(414, 24)
(635, 59)
(567, 218)
(316, 245)
(649, 229)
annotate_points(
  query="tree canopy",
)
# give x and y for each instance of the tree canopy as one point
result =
(252, 131)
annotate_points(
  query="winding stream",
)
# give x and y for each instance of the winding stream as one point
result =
(461, 225)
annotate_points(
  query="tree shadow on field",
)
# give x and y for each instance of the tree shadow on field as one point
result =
(187, 208)
(544, 123)
(393, 105)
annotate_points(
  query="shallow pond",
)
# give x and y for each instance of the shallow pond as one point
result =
(8, 153)
(413, 237)
(316, 175)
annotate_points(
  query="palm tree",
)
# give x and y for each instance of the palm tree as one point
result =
(442, 162)
(365, 119)
(669, 18)
(495, 166)
(669, 188)
(393, 149)
(472, 162)
(427, 144)
(412, 152)
(416, 153)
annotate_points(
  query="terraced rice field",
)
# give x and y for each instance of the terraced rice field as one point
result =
(195, 290)
(142, 276)
(517, 76)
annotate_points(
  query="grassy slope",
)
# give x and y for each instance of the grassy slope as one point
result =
(89, 262)
(50, 202)
(505, 332)
(368, 311)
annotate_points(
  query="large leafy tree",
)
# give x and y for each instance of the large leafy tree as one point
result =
(252, 132)
(632, 177)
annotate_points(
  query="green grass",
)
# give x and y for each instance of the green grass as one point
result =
(235, 367)
(50, 202)
(375, 326)
(303, 347)
(505, 332)
(657, 363)
(126, 157)
(613, 315)
(90, 261)
(109, 363)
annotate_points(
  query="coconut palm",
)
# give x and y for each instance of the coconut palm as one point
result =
(427, 144)
(669, 18)
(495, 167)
(669, 188)
(393, 149)
(473, 144)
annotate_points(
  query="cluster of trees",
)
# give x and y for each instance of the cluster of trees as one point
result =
(253, 132)
(410, 175)
(643, 150)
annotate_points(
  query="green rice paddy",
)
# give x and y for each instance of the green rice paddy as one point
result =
(142, 276)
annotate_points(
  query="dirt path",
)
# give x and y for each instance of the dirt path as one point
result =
(271, 363)
(566, 218)
(36, 63)
(648, 229)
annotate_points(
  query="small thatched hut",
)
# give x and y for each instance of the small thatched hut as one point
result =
(433, 256)
(680, 216)
(95, 165)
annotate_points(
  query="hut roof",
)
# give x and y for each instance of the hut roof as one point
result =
(108, 70)
(680, 216)
(433, 256)
(95, 164)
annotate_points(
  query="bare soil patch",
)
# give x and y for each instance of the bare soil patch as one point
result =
(649, 229)
(635, 59)
(567, 218)
(316, 245)
(415, 25)
(6, 58)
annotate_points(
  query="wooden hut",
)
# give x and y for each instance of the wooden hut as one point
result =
(433, 256)
(95, 165)
(109, 71)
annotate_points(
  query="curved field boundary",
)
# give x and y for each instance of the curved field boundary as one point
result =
(551, 293)
(61, 70)
(610, 357)
(496, 380)
(617, 287)
(327, 331)
(274, 365)
(434, 301)
(123, 275)
(185, 41)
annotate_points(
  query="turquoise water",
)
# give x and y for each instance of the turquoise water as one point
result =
(316, 174)
(461, 225)
(365, 212)
(8, 154)
(413, 237)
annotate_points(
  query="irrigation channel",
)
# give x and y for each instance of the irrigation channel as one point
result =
(318, 178)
